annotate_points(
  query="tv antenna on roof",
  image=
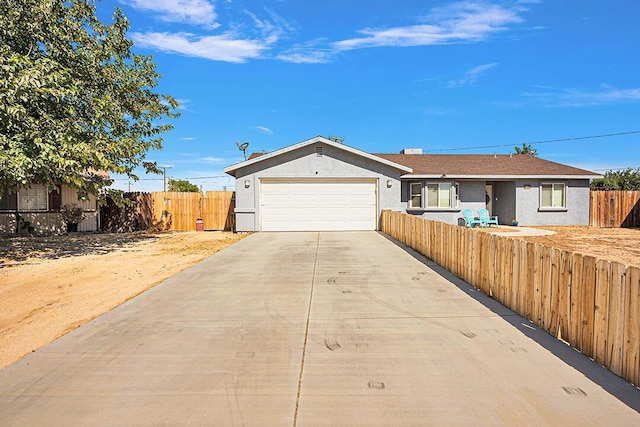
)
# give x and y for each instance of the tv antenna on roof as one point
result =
(338, 139)
(243, 147)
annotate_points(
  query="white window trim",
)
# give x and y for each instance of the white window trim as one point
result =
(454, 197)
(454, 200)
(564, 196)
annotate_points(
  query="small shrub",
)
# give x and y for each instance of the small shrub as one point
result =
(72, 214)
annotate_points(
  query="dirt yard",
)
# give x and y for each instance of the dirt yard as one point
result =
(51, 285)
(614, 244)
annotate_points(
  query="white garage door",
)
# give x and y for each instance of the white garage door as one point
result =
(318, 205)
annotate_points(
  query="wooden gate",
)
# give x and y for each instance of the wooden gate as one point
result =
(182, 211)
(615, 209)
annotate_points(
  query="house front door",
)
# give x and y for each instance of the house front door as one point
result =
(489, 197)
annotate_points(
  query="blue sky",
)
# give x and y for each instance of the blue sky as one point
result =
(445, 76)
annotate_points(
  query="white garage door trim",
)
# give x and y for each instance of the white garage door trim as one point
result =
(318, 204)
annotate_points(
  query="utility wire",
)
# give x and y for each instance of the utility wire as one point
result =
(616, 169)
(577, 138)
(160, 179)
(542, 142)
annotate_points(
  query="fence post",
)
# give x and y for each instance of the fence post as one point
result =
(601, 315)
(631, 362)
(617, 313)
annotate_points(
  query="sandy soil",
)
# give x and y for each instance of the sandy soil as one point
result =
(51, 285)
(614, 244)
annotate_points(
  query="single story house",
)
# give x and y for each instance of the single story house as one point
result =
(321, 184)
(40, 206)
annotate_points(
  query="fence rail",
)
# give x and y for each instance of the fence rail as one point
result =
(591, 303)
(615, 209)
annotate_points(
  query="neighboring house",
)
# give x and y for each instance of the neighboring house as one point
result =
(41, 208)
(320, 184)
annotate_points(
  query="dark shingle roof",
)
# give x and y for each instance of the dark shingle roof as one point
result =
(483, 165)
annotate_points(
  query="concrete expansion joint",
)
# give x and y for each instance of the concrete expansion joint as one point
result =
(306, 331)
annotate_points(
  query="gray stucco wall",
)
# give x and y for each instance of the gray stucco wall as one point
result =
(471, 195)
(519, 199)
(304, 163)
(528, 204)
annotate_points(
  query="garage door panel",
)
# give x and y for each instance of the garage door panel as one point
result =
(336, 213)
(318, 205)
(306, 212)
(360, 200)
(332, 199)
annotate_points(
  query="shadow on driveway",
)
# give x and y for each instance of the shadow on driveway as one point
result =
(614, 385)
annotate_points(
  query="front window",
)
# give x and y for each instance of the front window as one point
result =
(552, 195)
(35, 198)
(8, 201)
(439, 195)
(415, 196)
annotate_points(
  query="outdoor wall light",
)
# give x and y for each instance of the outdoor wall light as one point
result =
(247, 183)
(389, 183)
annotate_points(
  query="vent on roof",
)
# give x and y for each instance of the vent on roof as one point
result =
(319, 151)
(411, 151)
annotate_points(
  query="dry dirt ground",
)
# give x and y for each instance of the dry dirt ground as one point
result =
(51, 285)
(614, 244)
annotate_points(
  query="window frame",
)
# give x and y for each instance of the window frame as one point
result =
(24, 193)
(9, 206)
(454, 195)
(412, 195)
(553, 185)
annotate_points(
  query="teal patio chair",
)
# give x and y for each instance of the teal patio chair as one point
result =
(486, 219)
(470, 218)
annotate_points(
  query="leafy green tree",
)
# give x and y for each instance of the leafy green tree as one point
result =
(74, 100)
(183, 185)
(624, 179)
(527, 149)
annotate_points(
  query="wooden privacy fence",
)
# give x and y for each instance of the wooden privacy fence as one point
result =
(170, 211)
(181, 211)
(591, 303)
(136, 215)
(615, 209)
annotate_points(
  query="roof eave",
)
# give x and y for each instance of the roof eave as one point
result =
(496, 177)
(231, 169)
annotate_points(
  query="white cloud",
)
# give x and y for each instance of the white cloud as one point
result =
(471, 76)
(465, 21)
(299, 57)
(264, 130)
(183, 104)
(462, 22)
(223, 47)
(187, 138)
(199, 12)
(214, 160)
(271, 31)
(243, 41)
(308, 53)
(581, 98)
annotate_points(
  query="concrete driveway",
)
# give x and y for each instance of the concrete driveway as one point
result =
(312, 329)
